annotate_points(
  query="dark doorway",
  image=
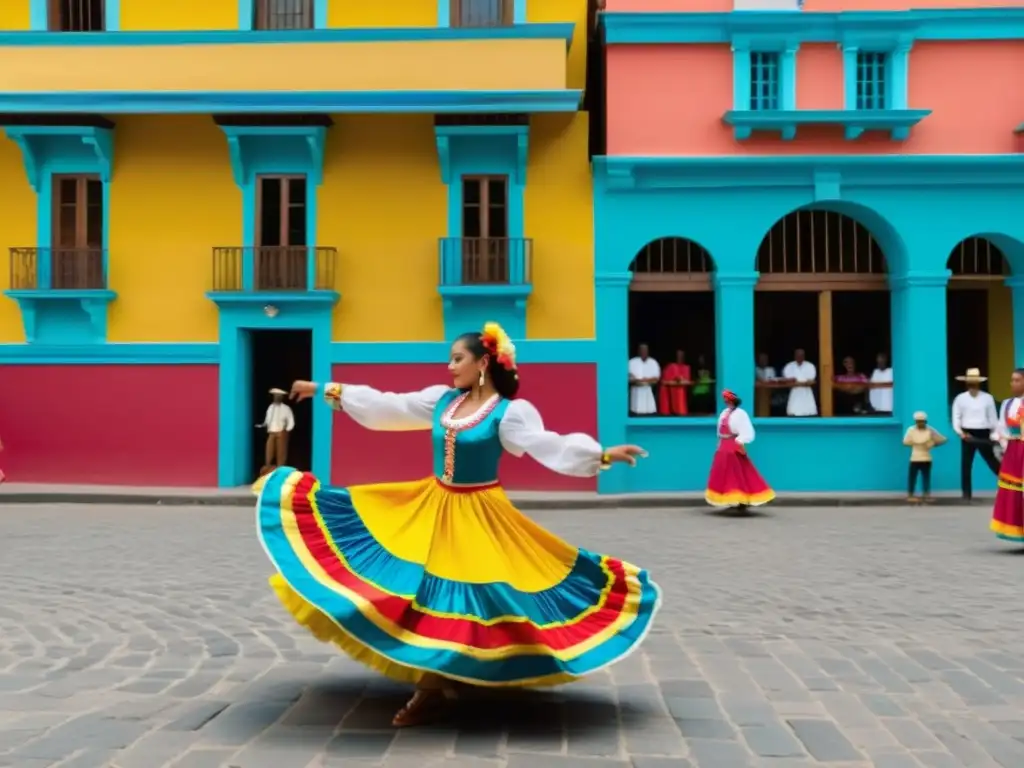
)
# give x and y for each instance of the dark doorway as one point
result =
(278, 359)
(966, 334)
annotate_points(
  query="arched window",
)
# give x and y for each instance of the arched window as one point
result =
(672, 311)
(976, 300)
(823, 293)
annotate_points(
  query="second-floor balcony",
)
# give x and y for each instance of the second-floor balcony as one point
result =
(274, 268)
(58, 269)
(484, 262)
(510, 66)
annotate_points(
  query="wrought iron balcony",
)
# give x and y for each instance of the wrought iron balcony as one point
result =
(58, 269)
(274, 268)
(485, 261)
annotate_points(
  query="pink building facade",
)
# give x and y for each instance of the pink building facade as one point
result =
(848, 182)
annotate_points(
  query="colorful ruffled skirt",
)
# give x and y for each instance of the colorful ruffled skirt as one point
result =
(417, 579)
(734, 481)
(1008, 515)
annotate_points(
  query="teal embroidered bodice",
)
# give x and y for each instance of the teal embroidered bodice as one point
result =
(471, 452)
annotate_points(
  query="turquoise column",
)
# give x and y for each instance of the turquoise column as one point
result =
(734, 333)
(1016, 286)
(919, 363)
(611, 304)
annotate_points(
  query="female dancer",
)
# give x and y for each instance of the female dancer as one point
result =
(734, 482)
(1008, 515)
(442, 581)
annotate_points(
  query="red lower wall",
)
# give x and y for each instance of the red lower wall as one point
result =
(109, 424)
(565, 394)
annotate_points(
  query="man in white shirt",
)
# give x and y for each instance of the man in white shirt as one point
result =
(279, 421)
(976, 423)
(881, 397)
(801, 398)
(644, 372)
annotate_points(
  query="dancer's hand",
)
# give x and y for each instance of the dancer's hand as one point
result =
(625, 454)
(302, 390)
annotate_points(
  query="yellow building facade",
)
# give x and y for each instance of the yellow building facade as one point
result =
(184, 179)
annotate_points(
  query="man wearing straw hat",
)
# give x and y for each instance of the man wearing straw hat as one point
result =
(976, 422)
(279, 421)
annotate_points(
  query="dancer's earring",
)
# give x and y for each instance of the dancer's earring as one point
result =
(482, 378)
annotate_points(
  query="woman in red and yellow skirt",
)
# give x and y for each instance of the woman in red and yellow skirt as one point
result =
(1008, 515)
(734, 482)
(441, 581)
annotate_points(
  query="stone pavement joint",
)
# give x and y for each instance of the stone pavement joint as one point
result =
(146, 637)
(52, 493)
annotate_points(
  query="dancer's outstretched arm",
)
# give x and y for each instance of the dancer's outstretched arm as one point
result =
(522, 431)
(376, 410)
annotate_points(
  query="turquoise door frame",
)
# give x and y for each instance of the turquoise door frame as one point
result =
(240, 315)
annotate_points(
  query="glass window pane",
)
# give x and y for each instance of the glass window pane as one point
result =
(470, 191)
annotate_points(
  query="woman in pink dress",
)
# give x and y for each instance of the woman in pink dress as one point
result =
(734, 481)
(672, 394)
(1008, 515)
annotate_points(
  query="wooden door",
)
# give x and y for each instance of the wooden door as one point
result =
(485, 244)
(281, 254)
(76, 254)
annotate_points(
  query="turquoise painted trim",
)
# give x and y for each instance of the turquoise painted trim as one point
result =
(897, 49)
(703, 422)
(38, 16)
(256, 150)
(247, 14)
(528, 351)
(897, 123)
(1016, 286)
(752, 26)
(741, 63)
(45, 146)
(734, 319)
(444, 13)
(239, 315)
(39, 20)
(259, 102)
(918, 208)
(74, 316)
(518, 31)
(63, 317)
(639, 173)
(111, 353)
(475, 151)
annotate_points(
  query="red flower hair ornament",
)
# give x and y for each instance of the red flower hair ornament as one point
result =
(499, 346)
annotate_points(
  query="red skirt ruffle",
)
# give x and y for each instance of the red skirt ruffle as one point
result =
(734, 481)
(1008, 515)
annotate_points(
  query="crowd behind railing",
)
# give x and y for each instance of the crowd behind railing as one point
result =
(681, 389)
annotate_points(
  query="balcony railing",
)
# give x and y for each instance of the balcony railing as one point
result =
(482, 13)
(486, 260)
(274, 268)
(70, 269)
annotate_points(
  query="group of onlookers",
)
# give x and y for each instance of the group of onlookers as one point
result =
(683, 390)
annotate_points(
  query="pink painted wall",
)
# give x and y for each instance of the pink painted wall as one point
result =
(669, 100)
(109, 424)
(361, 456)
(712, 6)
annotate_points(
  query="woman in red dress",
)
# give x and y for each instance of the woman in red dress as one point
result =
(734, 482)
(1008, 515)
(672, 392)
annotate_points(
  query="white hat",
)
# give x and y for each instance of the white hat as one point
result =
(973, 376)
(276, 391)
(920, 416)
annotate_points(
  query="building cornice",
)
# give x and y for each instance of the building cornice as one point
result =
(796, 27)
(828, 173)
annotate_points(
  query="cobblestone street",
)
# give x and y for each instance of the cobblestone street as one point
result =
(142, 637)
